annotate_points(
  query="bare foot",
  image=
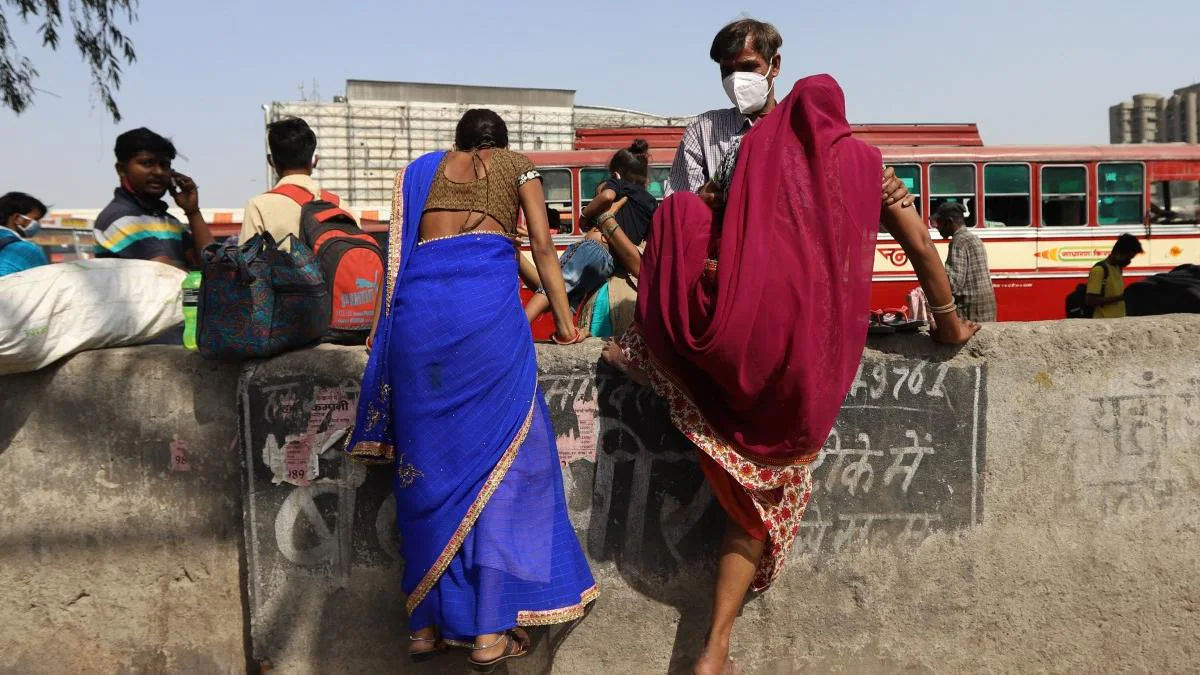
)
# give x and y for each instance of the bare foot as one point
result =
(616, 358)
(714, 660)
(422, 641)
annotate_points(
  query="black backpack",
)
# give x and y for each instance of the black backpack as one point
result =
(1077, 307)
(1177, 291)
(350, 259)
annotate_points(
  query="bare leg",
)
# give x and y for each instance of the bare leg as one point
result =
(740, 554)
(536, 306)
(424, 641)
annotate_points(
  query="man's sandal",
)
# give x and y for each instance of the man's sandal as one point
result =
(515, 646)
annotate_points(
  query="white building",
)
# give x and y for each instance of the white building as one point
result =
(370, 133)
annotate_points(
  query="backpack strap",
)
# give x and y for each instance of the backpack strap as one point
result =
(295, 193)
(328, 196)
(322, 216)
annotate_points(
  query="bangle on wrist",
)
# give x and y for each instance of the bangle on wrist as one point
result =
(573, 340)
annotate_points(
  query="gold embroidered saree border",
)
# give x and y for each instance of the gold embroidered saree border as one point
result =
(549, 617)
(485, 494)
(395, 240)
(545, 617)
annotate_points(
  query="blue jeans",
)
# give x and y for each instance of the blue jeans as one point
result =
(586, 265)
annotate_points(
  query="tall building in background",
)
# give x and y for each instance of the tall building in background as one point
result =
(365, 136)
(1151, 118)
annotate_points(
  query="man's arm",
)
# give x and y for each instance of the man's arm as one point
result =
(688, 171)
(1097, 280)
(187, 197)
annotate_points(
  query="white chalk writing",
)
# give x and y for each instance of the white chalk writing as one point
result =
(909, 470)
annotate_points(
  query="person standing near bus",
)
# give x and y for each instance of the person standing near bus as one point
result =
(747, 51)
(1106, 281)
(967, 265)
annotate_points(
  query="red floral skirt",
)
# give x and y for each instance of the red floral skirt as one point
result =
(767, 501)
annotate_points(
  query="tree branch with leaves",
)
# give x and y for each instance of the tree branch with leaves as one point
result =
(97, 35)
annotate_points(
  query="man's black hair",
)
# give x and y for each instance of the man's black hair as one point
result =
(1127, 243)
(292, 143)
(19, 202)
(142, 139)
(950, 212)
(764, 39)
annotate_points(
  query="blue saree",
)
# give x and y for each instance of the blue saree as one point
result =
(450, 400)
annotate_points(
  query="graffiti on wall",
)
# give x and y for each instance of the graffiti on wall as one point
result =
(904, 460)
(1139, 441)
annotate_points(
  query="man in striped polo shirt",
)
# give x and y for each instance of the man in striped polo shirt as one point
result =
(135, 224)
(747, 52)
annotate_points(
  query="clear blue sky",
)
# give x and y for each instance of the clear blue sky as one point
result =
(1026, 71)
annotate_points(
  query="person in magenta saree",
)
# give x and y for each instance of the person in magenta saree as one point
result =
(751, 320)
(450, 400)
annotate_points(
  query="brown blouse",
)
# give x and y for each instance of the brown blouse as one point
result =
(495, 194)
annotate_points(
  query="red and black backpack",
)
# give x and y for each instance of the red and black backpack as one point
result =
(349, 257)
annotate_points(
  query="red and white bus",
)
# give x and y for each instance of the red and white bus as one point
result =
(1045, 213)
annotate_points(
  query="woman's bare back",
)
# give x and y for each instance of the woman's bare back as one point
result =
(461, 168)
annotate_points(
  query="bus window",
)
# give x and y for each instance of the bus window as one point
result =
(1006, 196)
(1175, 201)
(1120, 193)
(658, 181)
(557, 184)
(1064, 196)
(910, 174)
(589, 180)
(953, 183)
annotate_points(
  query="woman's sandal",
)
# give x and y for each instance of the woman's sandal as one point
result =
(516, 646)
(427, 654)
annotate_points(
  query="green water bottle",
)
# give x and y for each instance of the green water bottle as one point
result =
(191, 299)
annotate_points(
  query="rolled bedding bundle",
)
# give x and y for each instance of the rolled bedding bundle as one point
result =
(53, 311)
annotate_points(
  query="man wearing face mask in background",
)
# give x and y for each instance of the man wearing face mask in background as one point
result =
(19, 221)
(747, 51)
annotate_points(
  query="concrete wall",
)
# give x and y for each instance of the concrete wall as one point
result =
(121, 492)
(1030, 502)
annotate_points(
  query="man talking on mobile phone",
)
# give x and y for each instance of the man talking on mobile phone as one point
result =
(135, 224)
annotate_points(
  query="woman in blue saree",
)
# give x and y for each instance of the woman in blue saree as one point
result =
(450, 400)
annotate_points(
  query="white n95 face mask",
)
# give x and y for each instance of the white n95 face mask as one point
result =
(747, 91)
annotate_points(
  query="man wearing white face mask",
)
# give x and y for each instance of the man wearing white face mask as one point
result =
(747, 51)
(19, 221)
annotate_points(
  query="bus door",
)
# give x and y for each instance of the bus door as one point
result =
(1173, 212)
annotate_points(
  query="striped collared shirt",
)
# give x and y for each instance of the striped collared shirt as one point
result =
(705, 142)
(134, 228)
